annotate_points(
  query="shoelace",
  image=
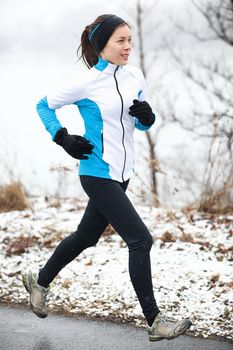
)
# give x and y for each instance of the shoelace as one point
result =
(167, 320)
(44, 291)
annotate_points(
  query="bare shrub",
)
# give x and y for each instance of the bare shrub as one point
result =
(218, 202)
(186, 237)
(19, 245)
(217, 189)
(168, 237)
(13, 197)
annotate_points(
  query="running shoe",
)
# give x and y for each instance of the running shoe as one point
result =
(37, 293)
(164, 327)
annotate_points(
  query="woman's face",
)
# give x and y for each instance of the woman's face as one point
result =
(118, 47)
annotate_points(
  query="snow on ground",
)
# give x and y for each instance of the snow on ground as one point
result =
(192, 266)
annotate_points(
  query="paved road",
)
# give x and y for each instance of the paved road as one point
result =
(20, 329)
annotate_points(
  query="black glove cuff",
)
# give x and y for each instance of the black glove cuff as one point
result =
(60, 134)
(148, 121)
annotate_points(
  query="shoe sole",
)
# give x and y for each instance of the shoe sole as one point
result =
(152, 339)
(26, 283)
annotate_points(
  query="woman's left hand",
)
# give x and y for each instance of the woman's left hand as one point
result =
(142, 110)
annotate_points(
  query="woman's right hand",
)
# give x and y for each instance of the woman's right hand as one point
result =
(74, 145)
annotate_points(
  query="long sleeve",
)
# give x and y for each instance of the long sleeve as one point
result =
(69, 94)
(48, 117)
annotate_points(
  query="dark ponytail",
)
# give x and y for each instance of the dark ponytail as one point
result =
(89, 54)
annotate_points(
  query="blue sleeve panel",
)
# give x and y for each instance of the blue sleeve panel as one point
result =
(48, 117)
(142, 127)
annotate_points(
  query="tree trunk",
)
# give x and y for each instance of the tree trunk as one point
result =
(152, 154)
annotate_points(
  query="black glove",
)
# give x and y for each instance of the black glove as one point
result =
(142, 110)
(75, 145)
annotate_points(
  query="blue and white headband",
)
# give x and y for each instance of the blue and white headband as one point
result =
(101, 33)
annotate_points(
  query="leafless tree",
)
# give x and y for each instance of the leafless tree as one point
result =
(140, 13)
(213, 76)
(151, 141)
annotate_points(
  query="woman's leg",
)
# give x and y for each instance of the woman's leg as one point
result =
(88, 233)
(110, 199)
(89, 230)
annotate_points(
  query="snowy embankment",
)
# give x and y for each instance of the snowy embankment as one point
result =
(192, 266)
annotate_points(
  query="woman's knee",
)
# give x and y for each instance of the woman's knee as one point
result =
(85, 240)
(144, 244)
(148, 242)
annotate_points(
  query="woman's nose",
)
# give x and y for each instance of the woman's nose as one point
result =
(127, 46)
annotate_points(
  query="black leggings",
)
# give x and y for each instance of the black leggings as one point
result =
(108, 203)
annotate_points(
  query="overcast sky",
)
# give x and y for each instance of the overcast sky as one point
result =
(46, 24)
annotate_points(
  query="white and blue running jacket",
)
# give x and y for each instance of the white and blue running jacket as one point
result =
(103, 95)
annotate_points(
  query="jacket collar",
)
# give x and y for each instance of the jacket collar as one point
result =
(107, 67)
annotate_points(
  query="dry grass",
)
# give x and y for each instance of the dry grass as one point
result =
(218, 202)
(217, 187)
(109, 231)
(13, 197)
(168, 237)
(19, 245)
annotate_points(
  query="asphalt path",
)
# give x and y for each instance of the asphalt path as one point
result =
(20, 329)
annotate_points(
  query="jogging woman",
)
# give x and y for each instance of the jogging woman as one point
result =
(112, 100)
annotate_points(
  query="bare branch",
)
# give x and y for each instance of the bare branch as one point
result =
(219, 16)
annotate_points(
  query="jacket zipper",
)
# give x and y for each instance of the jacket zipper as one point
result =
(102, 141)
(121, 120)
